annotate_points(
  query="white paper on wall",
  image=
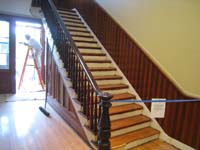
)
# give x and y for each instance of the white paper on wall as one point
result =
(158, 108)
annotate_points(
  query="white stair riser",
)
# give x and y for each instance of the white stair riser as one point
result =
(121, 103)
(77, 28)
(87, 44)
(125, 115)
(95, 58)
(100, 73)
(67, 19)
(99, 65)
(78, 33)
(130, 129)
(90, 51)
(83, 38)
(104, 82)
(120, 91)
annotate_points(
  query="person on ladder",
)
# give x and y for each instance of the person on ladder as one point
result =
(37, 49)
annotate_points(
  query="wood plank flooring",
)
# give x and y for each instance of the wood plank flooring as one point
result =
(155, 145)
(24, 127)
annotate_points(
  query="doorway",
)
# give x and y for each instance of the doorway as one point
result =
(30, 87)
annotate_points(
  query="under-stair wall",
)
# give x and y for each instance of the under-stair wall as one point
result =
(181, 119)
(58, 92)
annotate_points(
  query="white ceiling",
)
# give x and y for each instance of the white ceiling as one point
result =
(15, 7)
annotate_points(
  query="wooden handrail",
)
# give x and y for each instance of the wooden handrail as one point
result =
(88, 93)
(93, 82)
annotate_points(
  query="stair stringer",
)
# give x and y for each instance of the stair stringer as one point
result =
(154, 123)
(67, 83)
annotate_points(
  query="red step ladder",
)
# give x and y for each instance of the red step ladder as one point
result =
(35, 65)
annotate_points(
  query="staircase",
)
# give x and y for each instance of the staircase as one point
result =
(130, 128)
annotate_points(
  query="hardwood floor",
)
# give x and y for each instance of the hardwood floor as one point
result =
(24, 127)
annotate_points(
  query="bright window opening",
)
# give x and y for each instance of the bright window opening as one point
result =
(4, 45)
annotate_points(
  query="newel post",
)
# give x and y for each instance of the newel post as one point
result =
(104, 123)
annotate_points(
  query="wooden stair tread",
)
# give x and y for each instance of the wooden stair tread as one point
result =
(124, 108)
(107, 77)
(75, 21)
(132, 136)
(97, 61)
(67, 13)
(70, 17)
(92, 54)
(122, 96)
(70, 24)
(155, 145)
(102, 69)
(82, 27)
(72, 21)
(82, 41)
(128, 122)
(76, 30)
(85, 36)
(88, 47)
(112, 86)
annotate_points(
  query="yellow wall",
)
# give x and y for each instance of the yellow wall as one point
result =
(169, 30)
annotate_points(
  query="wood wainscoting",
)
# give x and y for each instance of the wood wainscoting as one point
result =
(58, 96)
(181, 120)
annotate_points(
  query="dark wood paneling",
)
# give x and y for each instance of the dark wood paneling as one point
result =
(181, 120)
(69, 117)
(5, 82)
(58, 97)
(7, 77)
